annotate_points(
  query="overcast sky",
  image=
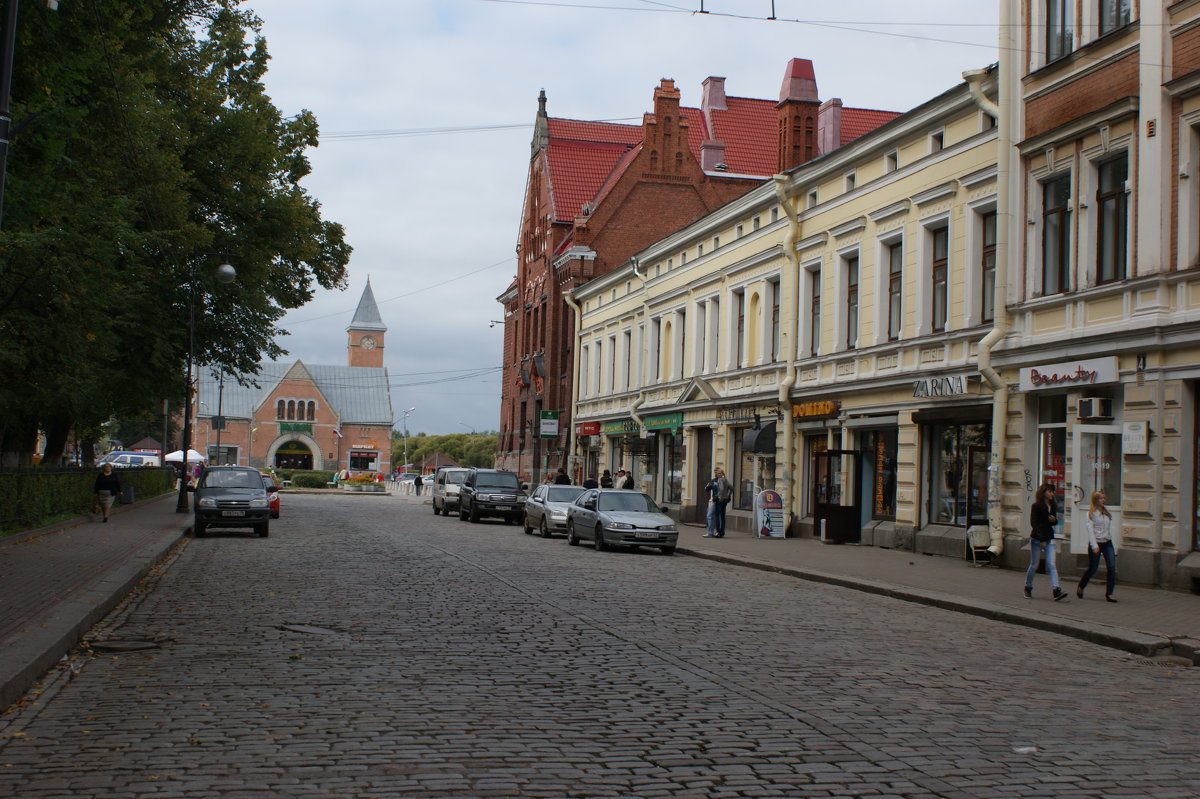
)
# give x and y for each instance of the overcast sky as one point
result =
(426, 110)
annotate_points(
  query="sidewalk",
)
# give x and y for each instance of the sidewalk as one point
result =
(55, 583)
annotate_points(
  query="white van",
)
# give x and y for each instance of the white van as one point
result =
(445, 489)
(126, 459)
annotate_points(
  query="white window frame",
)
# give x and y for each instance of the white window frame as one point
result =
(973, 274)
(882, 283)
(841, 313)
(804, 335)
(923, 295)
(1088, 221)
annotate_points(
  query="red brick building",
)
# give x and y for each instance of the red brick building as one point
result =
(598, 192)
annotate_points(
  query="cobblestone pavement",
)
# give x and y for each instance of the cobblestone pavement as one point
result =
(369, 648)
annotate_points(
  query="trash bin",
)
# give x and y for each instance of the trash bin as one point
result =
(127, 494)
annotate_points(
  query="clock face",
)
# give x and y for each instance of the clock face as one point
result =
(367, 342)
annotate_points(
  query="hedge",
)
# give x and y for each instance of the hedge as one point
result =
(307, 479)
(33, 498)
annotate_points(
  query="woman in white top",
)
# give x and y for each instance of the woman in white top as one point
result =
(1099, 529)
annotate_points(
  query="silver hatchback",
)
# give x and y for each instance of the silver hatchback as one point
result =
(613, 517)
(546, 509)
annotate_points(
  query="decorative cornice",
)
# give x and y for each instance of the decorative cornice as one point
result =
(846, 228)
(888, 211)
(937, 193)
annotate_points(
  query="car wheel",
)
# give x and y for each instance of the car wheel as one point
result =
(545, 529)
(474, 515)
(198, 529)
(435, 507)
(462, 512)
(667, 550)
(572, 539)
(263, 529)
(599, 541)
(525, 525)
(275, 515)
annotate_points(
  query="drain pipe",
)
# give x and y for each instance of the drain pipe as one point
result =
(641, 397)
(787, 287)
(569, 298)
(1000, 319)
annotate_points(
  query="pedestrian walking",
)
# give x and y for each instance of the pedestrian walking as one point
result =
(719, 493)
(561, 478)
(417, 484)
(606, 480)
(1099, 530)
(107, 487)
(1043, 516)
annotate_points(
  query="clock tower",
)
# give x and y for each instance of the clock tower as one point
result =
(364, 347)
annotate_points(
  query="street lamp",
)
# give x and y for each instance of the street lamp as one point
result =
(407, 414)
(469, 427)
(224, 274)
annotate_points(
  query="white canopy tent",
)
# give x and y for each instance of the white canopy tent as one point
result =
(193, 456)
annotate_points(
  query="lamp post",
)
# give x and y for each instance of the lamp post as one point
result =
(225, 274)
(469, 427)
(406, 415)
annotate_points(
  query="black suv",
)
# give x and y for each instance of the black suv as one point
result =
(231, 496)
(490, 492)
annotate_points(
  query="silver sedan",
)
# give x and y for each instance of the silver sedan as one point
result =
(613, 517)
(546, 508)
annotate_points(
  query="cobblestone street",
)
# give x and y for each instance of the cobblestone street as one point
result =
(369, 648)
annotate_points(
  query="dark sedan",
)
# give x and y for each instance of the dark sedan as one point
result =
(231, 496)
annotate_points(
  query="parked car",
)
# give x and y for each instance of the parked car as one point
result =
(272, 495)
(546, 508)
(445, 490)
(614, 517)
(427, 480)
(490, 492)
(231, 496)
(125, 459)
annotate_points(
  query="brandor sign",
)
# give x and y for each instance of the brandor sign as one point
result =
(1088, 372)
(931, 387)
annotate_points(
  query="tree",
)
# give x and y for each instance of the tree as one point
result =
(466, 449)
(147, 152)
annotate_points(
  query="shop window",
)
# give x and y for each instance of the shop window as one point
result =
(1052, 443)
(879, 471)
(363, 461)
(744, 486)
(673, 453)
(222, 456)
(959, 459)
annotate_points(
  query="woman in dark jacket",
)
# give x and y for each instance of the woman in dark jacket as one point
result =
(1043, 516)
(107, 487)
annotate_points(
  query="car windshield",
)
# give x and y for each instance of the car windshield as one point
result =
(628, 502)
(563, 493)
(456, 477)
(507, 481)
(224, 479)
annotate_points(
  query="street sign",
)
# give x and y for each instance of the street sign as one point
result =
(549, 424)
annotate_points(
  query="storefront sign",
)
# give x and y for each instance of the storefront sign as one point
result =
(951, 386)
(748, 413)
(670, 421)
(621, 428)
(768, 514)
(587, 429)
(549, 424)
(1070, 373)
(293, 427)
(807, 410)
(1135, 438)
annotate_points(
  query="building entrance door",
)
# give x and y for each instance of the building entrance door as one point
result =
(293, 455)
(702, 472)
(835, 496)
(1095, 466)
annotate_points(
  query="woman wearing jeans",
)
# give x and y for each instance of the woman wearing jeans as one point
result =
(1042, 517)
(1099, 527)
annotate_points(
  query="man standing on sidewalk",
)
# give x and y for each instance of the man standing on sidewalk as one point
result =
(720, 492)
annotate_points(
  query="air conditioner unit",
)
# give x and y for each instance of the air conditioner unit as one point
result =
(1095, 408)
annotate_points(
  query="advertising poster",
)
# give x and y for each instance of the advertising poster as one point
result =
(768, 514)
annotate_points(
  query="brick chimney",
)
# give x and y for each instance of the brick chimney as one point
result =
(829, 126)
(797, 112)
(664, 137)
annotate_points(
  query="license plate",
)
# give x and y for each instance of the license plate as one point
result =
(511, 507)
(232, 513)
(646, 535)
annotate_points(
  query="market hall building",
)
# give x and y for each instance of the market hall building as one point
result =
(304, 416)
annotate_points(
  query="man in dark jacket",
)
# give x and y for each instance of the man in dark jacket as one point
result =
(720, 492)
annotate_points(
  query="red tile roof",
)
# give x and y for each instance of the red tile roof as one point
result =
(585, 158)
(861, 121)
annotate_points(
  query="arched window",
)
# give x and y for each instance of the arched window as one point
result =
(291, 409)
(312, 411)
(280, 409)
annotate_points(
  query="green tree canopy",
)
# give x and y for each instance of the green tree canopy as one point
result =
(147, 153)
(467, 449)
